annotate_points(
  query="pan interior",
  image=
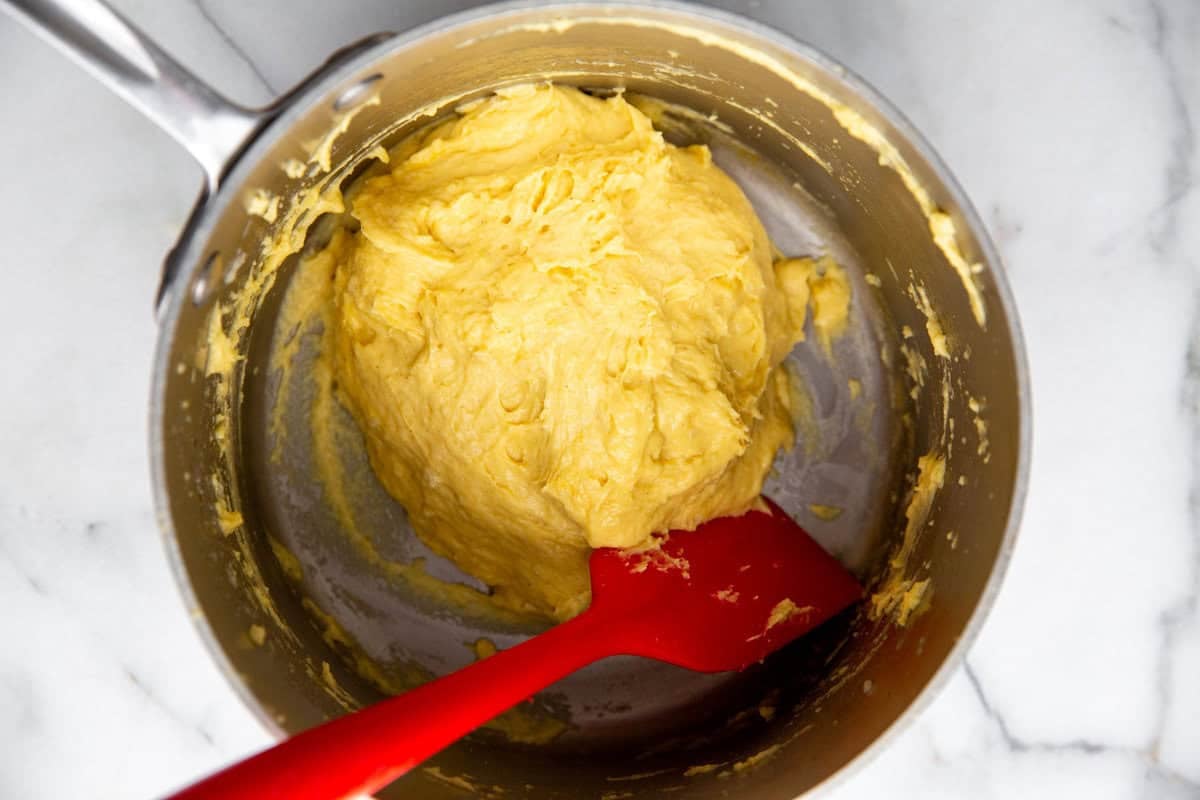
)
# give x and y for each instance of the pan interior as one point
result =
(352, 565)
(928, 463)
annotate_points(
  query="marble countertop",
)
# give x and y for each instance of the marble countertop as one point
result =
(1073, 127)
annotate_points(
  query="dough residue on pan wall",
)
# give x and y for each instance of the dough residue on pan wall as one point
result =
(898, 593)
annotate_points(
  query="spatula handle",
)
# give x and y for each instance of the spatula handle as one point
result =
(362, 752)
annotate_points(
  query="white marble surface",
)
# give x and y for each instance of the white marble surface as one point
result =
(1073, 127)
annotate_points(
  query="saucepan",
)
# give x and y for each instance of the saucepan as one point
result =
(314, 597)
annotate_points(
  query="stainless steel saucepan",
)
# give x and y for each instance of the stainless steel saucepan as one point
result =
(914, 445)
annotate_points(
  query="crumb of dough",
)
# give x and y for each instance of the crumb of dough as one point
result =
(824, 512)
(784, 610)
(228, 519)
(483, 648)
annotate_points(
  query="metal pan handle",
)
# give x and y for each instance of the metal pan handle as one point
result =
(208, 125)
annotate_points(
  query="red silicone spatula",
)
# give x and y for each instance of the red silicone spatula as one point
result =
(719, 598)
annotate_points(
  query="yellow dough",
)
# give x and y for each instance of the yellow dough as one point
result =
(558, 332)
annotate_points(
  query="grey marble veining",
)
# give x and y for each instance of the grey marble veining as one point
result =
(1073, 127)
